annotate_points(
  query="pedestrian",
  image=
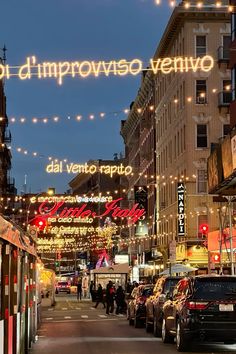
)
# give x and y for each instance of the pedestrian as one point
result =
(91, 290)
(120, 300)
(110, 295)
(85, 285)
(79, 290)
(100, 297)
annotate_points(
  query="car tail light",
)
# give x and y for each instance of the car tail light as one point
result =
(194, 305)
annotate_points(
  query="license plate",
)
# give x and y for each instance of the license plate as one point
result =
(226, 307)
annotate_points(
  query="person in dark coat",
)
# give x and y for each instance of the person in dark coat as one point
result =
(79, 290)
(120, 300)
(110, 295)
(91, 290)
(100, 297)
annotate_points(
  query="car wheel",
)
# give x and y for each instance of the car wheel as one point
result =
(229, 341)
(148, 326)
(131, 321)
(137, 323)
(156, 327)
(166, 337)
(181, 342)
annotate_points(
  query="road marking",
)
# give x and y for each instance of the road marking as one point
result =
(84, 316)
(67, 317)
(78, 308)
(102, 316)
(50, 309)
(49, 318)
(92, 308)
(64, 308)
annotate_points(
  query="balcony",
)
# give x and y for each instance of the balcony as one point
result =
(223, 55)
(224, 98)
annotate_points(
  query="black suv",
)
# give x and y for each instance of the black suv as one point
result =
(154, 303)
(201, 308)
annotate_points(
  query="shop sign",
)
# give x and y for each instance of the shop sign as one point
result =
(181, 208)
(172, 251)
(140, 197)
(57, 210)
(233, 149)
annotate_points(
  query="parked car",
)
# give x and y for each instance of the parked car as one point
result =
(201, 308)
(136, 311)
(63, 286)
(154, 303)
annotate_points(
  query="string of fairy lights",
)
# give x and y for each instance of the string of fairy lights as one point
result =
(199, 4)
(92, 116)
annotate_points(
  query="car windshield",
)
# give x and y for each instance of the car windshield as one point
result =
(169, 285)
(215, 289)
(63, 283)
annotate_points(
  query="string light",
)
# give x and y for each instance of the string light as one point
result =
(92, 116)
(199, 4)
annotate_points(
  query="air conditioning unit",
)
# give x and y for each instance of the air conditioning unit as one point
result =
(201, 100)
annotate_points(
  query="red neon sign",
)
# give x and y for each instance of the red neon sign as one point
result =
(111, 209)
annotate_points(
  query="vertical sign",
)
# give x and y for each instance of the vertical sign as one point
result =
(181, 208)
(233, 149)
(141, 198)
(172, 251)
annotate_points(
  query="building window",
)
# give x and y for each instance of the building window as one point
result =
(233, 25)
(200, 46)
(202, 136)
(226, 45)
(201, 91)
(226, 129)
(227, 92)
(201, 181)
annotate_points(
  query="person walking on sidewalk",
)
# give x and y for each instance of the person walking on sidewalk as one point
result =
(79, 290)
(110, 295)
(120, 300)
(100, 297)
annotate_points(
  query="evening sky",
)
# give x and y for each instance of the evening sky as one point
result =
(61, 30)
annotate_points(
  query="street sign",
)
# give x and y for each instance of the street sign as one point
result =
(172, 251)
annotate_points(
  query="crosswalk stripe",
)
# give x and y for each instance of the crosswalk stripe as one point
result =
(102, 316)
(49, 318)
(84, 316)
(67, 317)
(78, 308)
(64, 308)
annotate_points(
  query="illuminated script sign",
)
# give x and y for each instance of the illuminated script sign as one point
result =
(86, 68)
(112, 208)
(181, 209)
(89, 169)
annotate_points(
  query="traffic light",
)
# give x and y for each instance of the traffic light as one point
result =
(215, 257)
(40, 223)
(57, 264)
(204, 229)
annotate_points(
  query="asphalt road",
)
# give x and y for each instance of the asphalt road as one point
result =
(76, 327)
